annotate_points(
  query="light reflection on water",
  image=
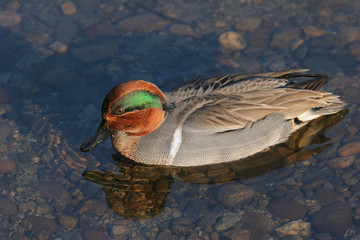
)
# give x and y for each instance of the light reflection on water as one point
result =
(50, 98)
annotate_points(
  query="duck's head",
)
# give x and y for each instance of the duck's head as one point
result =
(135, 108)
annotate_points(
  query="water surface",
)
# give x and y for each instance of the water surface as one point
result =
(60, 58)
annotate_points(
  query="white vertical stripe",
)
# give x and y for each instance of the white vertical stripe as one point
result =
(175, 143)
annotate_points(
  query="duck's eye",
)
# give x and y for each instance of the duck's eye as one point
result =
(118, 111)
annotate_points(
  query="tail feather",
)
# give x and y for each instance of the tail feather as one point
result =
(315, 82)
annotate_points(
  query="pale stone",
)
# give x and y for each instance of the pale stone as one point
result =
(299, 227)
(68, 8)
(232, 41)
(59, 47)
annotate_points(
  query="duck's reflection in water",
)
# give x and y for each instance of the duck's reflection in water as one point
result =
(138, 191)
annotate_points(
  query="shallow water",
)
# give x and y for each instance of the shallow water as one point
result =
(60, 58)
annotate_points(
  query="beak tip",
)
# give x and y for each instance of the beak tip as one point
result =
(101, 134)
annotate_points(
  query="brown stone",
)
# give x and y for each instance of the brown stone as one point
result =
(68, 222)
(256, 224)
(352, 130)
(9, 18)
(312, 31)
(5, 131)
(182, 30)
(95, 206)
(165, 235)
(68, 8)
(44, 208)
(95, 234)
(335, 218)
(40, 227)
(146, 23)
(325, 196)
(341, 162)
(237, 234)
(327, 41)
(182, 226)
(283, 37)
(232, 41)
(102, 30)
(350, 149)
(27, 206)
(248, 24)
(233, 194)
(13, 6)
(4, 96)
(354, 48)
(7, 166)
(7, 206)
(120, 231)
(52, 190)
(287, 209)
(351, 34)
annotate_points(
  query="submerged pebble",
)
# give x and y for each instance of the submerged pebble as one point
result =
(350, 149)
(233, 194)
(341, 162)
(256, 224)
(182, 30)
(13, 6)
(59, 47)
(4, 96)
(7, 166)
(228, 220)
(298, 227)
(248, 24)
(95, 233)
(283, 37)
(334, 218)
(9, 18)
(68, 222)
(354, 48)
(5, 131)
(120, 231)
(102, 30)
(7, 206)
(53, 190)
(287, 209)
(68, 8)
(232, 41)
(145, 23)
(182, 226)
(41, 227)
(312, 31)
(325, 196)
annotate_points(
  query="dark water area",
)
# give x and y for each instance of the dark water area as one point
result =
(60, 58)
